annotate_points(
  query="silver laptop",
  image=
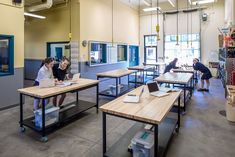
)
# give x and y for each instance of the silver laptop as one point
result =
(154, 90)
(46, 83)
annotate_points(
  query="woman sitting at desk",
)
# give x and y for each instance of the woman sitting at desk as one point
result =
(60, 73)
(206, 74)
(171, 65)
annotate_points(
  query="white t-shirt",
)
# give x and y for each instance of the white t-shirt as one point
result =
(44, 73)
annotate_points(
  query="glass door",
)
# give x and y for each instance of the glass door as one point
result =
(150, 49)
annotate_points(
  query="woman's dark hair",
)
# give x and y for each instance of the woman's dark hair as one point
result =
(174, 61)
(47, 60)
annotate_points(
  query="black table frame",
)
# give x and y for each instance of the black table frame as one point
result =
(155, 129)
(43, 130)
(118, 80)
(144, 73)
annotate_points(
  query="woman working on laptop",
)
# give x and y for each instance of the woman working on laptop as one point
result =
(171, 65)
(60, 73)
(45, 72)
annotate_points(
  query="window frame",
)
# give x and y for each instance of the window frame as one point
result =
(145, 48)
(10, 55)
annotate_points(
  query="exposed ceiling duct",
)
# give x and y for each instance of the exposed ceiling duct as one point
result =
(48, 4)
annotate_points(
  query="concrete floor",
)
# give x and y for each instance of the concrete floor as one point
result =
(204, 132)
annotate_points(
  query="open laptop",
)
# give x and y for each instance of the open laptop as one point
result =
(70, 82)
(154, 90)
(46, 83)
(133, 98)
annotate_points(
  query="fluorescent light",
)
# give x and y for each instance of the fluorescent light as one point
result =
(203, 2)
(190, 2)
(151, 9)
(172, 3)
(147, 3)
(34, 15)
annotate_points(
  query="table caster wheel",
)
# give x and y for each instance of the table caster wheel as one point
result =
(22, 129)
(177, 130)
(44, 139)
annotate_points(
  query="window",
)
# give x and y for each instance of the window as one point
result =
(185, 51)
(98, 53)
(6, 55)
(150, 49)
(122, 53)
(58, 49)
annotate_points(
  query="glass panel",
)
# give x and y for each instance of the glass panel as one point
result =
(151, 40)
(186, 51)
(58, 50)
(98, 53)
(151, 55)
(4, 56)
(122, 53)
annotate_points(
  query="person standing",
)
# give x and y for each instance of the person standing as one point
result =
(206, 74)
(171, 65)
(60, 73)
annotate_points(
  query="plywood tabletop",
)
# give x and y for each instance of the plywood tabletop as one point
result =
(182, 78)
(230, 89)
(150, 109)
(187, 70)
(141, 67)
(35, 91)
(116, 73)
(156, 63)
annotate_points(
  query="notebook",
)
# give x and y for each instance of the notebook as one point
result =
(70, 82)
(133, 98)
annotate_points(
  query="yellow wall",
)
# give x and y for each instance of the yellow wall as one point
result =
(54, 28)
(91, 20)
(12, 23)
(96, 23)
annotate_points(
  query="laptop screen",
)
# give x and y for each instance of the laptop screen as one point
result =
(153, 87)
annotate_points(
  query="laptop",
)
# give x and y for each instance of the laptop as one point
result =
(46, 83)
(154, 90)
(133, 98)
(70, 82)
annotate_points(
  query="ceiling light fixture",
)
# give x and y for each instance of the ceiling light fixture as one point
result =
(152, 9)
(34, 15)
(172, 3)
(190, 2)
(147, 3)
(203, 2)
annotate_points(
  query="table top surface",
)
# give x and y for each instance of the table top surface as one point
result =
(230, 89)
(116, 73)
(141, 67)
(150, 109)
(182, 78)
(156, 63)
(185, 70)
(35, 91)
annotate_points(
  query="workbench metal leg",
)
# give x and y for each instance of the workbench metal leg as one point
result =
(97, 98)
(155, 140)
(135, 79)
(116, 87)
(104, 134)
(22, 129)
(184, 99)
(76, 97)
(128, 77)
(120, 80)
(178, 114)
(44, 138)
(143, 77)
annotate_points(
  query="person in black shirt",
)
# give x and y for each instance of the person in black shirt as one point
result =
(206, 74)
(60, 73)
(171, 65)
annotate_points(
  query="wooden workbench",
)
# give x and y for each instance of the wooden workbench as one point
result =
(117, 75)
(151, 110)
(143, 70)
(72, 110)
(183, 79)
